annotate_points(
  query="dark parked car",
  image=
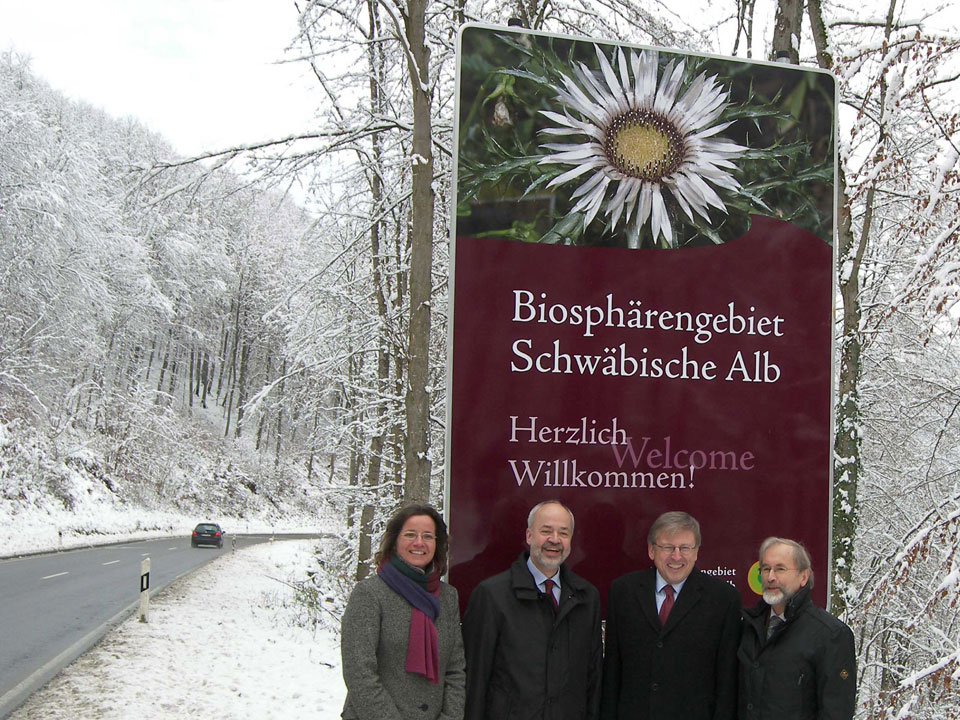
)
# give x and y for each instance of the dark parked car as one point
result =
(207, 534)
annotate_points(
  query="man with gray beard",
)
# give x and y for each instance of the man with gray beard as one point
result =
(796, 660)
(532, 634)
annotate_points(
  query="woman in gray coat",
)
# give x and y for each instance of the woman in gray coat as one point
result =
(400, 639)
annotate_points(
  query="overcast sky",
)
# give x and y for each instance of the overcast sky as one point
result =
(202, 73)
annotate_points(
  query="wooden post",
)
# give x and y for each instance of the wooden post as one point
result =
(144, 589)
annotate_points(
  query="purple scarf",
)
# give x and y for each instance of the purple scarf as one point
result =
(423, 653)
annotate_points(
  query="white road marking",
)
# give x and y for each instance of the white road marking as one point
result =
(112, 562)
(53, 576)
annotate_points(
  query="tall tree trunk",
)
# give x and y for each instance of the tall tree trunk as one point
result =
(313, 445)
(848, 457)
(206, 378)
(819, 30)
(417, 401)
(153, 350)
(224, 343)
(366, 541)
(398, 438)
(163, 366)
(375, 63)
(193, 359)
(745, 12)
(280, 405)
(231, 380)
(532, 13)
(163, 372)
(847, 450)
(786, 31)
(135, 364)
(846, 440)
(172, 384)
(375, 454)
(262, 420)
(242, 387)
(354, 415)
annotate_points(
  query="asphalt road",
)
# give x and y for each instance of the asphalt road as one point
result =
(55, 607)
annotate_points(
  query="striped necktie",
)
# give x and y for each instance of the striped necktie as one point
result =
(773, 623)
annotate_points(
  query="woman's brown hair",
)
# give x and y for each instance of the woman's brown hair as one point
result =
(388, 543)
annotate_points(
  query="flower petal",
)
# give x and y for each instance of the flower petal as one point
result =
(596, 201)
(659, 219)
(631, 203)
(706, 192)
(667, 92)
(615, 206)
(645, 201)
(676, 191)
(613, 84)
(588, 185)
(574, 172)
(624, 76)
(603, 97)
(574, 153)
(688, 197)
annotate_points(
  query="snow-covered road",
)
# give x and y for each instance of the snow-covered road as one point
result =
(221, 643)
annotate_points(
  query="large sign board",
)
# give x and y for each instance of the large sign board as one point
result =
(642, 302)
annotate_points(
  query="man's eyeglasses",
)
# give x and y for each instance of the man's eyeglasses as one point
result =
(684, 549)
(410, 535)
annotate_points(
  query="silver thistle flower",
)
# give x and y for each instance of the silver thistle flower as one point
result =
(641, 138)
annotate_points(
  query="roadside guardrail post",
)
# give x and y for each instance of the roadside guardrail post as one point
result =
(144, 589)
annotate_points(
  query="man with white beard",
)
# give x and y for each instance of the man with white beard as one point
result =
(796, 660)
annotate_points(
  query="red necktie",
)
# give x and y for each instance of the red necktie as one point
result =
(548, 589)
(667, 605)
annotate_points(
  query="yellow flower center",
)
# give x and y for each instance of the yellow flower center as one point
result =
(643, 145)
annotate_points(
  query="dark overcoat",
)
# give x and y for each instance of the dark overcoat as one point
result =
(684, 670)
(526, 661)
(806, 671)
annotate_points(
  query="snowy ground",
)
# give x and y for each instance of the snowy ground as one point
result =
(221, 643)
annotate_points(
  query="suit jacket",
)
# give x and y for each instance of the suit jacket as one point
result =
(373, 647)
(525, 661)
(686, 669)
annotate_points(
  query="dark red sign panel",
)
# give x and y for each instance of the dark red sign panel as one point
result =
(607, 365)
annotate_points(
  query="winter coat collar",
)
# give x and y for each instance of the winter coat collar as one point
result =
(572, 586)
(795, 606)
(645, 591)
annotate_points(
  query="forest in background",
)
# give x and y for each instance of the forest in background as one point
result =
(134, 318)
(181, 332)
